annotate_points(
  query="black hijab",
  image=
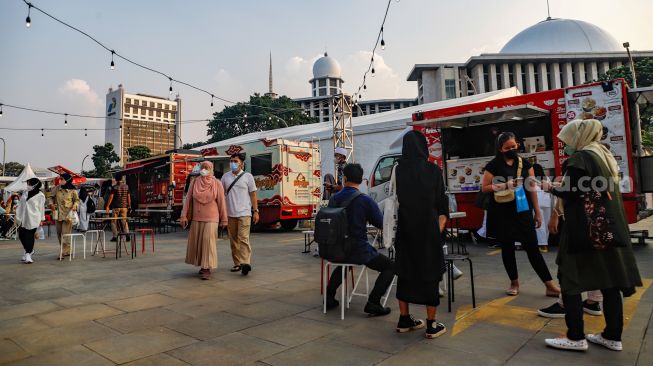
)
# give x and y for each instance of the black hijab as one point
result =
(83, 193)
(36, 187)
(68, 181)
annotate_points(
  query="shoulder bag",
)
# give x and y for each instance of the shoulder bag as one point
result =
(508, 195)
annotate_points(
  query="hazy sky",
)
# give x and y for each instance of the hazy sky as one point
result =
(223, 46)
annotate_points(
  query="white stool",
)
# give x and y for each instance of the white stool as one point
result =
(346, 296)
(97, 240)
(384, 298)
(72, 244)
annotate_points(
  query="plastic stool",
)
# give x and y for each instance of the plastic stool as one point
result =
(346, 296)
(143, 232)
(94, 246)
(119, 243)
(72, 244)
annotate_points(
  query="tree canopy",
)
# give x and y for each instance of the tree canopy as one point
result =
(11, 169)
(261, 113)
(139, 152)
(103, 157)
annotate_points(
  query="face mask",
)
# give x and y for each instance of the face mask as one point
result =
(569, 151)
(29, 188)
(234, 166)
(204, 172)
(510, 154)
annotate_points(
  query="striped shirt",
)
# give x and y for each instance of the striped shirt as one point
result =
(120, 196)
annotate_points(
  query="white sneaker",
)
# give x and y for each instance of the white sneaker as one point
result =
(566, 343)
(598, 339)
(28, 258)
(23, 258)
(440, 292)
(456, 273)
(316, 252)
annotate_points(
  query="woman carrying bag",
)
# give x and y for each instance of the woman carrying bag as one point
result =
(595, 250)
(29, 215)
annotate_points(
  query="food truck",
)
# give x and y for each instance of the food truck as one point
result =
(287, 175)
(157, 183)
(462, 139)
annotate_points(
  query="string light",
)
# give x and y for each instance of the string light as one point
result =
(170, 85)
(28, 20)
(212, 96)
(382, 40)
(65, 122)
(42, 134)
(0, 110)
(85, 134)
(113, 65)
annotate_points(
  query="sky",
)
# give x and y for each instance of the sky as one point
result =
(224, 46)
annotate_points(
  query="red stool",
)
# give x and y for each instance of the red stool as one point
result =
(329, 277)
(143, 232)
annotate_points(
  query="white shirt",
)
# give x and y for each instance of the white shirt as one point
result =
(30, 213)
(238, 201)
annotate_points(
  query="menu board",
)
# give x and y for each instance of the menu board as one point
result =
(465, 175)
(592, 102)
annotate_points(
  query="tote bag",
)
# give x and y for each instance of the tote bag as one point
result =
(391, 213)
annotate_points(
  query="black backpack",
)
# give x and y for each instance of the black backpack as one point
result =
(331, 230)
(90, 206)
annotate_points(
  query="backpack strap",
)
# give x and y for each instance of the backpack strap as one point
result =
(234, 182)
(349, 200)
(519, 167)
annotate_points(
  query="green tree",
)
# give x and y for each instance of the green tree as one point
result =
(644, 71)
(192, 145)
(103, 157)
(261, 113)
(139, 152)
(12, 169)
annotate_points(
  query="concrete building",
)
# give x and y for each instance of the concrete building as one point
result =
(140, 119)
(327, 81)
(554, 53)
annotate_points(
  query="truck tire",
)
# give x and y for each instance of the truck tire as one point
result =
(288, 225)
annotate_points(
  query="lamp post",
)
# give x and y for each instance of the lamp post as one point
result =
(4, 148)
(82, 171)
(638, 125)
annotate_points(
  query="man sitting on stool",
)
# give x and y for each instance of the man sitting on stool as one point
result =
(359, 212)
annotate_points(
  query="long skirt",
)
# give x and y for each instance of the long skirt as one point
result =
(418, 292)
(202, 248)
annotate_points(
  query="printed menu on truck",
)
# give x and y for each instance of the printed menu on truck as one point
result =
(593, 102)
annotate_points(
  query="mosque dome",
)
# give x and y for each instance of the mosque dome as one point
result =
(561, 36)
(326, 66)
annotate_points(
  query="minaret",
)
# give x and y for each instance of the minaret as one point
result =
(270, 92)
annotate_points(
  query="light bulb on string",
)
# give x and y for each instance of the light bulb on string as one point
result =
(113, 65)
(0, 110)
(42, 133)
(65, 122)
(28, 20)
(85, 132)
(212, 96)
(170, 85)
(382, 41)
(365, 86)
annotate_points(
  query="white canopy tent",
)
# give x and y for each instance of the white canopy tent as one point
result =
(28, 172)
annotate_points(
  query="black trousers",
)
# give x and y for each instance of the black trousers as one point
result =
(613, 311)
(381, 264)
(26, 237)
(534, 257)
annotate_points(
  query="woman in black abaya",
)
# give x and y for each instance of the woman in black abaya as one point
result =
(423, 212)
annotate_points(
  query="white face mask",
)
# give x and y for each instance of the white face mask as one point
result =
(29, 188)
(204, 172)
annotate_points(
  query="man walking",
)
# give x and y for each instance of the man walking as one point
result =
(122, 202)
(242, 209)
(360, 211)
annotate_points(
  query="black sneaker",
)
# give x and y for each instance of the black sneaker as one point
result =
(494, 246)
(408, 323)
(592, 309)
(245, 269)
(434, 330)
(129, 238)
(376, 309)
(331, 303)
(113, 239)
(555, 311)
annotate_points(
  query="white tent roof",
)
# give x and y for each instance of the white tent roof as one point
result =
(395, 119)
(19, 182)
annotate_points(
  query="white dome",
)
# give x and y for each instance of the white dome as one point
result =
(562, 35)
(326, 66)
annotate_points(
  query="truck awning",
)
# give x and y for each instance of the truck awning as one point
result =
(140, 167)
(496, 115)
(642, 95)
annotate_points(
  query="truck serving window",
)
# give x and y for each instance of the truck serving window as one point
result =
(261, 164)
(384, 170)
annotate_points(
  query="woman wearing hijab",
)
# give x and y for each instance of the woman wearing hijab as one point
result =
(65, 200)
(587, 261)
(206, 205)
(29, 215)
(423, 213)
(84, 216)
(506, 172)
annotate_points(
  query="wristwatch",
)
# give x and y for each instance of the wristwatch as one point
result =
(256, 210)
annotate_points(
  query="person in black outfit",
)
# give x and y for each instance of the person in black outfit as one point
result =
(359, 212)
(423, 213)
(504, 222)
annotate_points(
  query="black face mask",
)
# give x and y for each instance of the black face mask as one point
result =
(510, 154)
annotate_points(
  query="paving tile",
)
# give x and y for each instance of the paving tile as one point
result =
(203, 306)
(75, 355)
(160, 359)
(322, 352)
(267, 310)
(20, 310)
(371, 333)
(430, 353)
(16, 326)
(78, 314)
(231, 349)
(10, 351)
(141, 344)
(56, 338)
(213, 325)
(144, 319)
(142, 302)
(291, 331)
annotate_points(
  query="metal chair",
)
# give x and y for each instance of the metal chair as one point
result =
(458, 252)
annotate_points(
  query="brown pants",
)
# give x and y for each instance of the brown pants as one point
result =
(241, 250)
(119, 212)
(64, 227)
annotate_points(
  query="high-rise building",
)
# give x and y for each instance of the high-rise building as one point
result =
(142, 120)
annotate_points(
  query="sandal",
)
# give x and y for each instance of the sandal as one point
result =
(235, 269)
(512, 292)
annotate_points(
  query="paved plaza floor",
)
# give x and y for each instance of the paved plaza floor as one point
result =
(153, 310)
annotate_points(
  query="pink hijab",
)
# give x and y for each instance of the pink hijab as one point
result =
(205, 188)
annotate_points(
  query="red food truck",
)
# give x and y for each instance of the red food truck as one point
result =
(157, 183)
(461, 139)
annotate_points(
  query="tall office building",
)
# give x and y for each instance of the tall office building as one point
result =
(142, 120)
